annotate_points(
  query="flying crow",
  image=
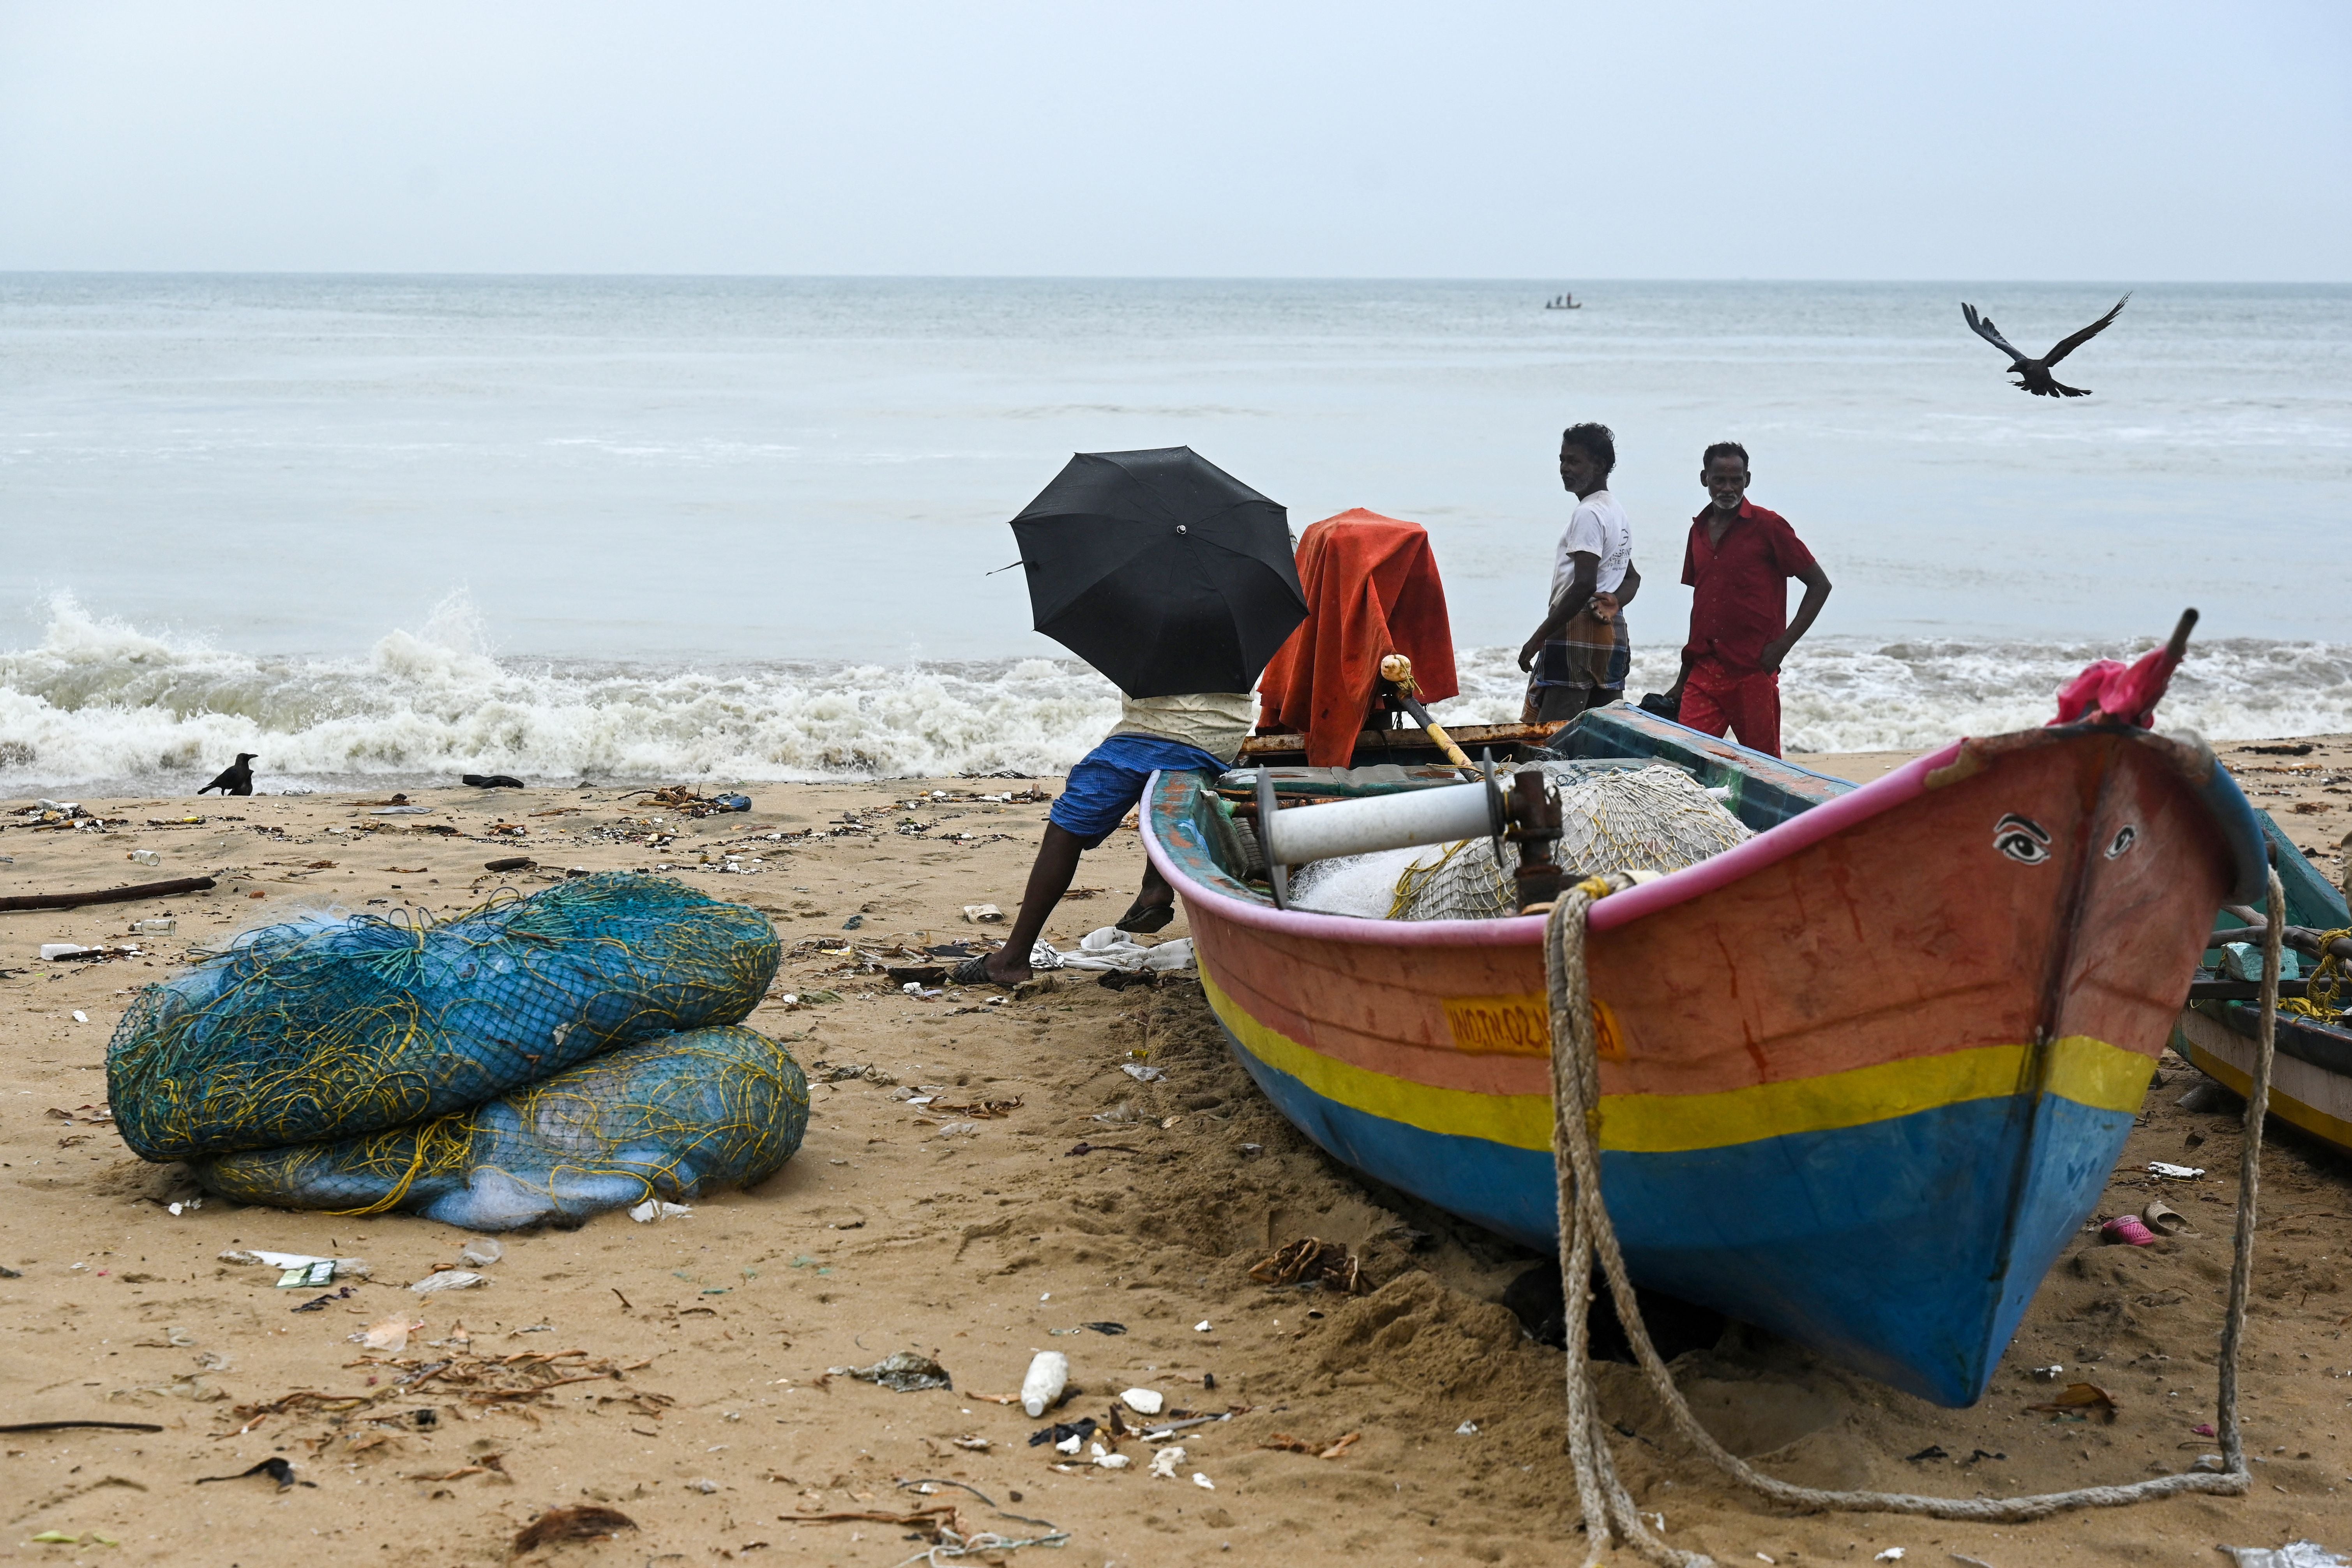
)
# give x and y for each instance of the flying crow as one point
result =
(236, 778)
(2034, 374)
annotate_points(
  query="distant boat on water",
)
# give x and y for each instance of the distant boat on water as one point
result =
(1565, 302)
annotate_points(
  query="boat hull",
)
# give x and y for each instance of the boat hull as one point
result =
(1863, 1077)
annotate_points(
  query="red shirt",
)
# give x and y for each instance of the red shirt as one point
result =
(1742, 597)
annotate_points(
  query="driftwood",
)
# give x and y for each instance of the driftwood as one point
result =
(107, 896)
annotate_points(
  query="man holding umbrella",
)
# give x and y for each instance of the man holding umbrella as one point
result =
(1175, 580)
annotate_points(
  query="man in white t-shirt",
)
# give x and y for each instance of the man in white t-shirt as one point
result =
(1578, 659)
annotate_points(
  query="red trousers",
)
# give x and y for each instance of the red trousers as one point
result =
(1747, 702)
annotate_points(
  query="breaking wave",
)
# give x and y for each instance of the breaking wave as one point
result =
(107, 708)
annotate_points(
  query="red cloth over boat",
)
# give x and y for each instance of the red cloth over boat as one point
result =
(1372, 590)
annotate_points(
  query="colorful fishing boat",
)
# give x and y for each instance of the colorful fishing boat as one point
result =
(1862, 1076)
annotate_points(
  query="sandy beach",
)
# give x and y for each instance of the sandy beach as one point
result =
(1412, 1423)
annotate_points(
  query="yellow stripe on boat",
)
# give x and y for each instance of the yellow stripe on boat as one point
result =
(2079, 1068)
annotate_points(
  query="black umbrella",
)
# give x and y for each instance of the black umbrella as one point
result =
(1160, 570)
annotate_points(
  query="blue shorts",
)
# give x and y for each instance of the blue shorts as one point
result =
(1108, 782)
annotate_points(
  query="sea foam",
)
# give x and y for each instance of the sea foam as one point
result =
(104, 707)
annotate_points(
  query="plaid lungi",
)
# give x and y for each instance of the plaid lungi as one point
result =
(1588, 654)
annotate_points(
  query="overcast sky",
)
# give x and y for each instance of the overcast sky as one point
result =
(2051, 139)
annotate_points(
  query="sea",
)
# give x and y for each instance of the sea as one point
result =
(383, 531)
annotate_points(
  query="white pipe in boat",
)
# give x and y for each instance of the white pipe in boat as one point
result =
(1439, 816)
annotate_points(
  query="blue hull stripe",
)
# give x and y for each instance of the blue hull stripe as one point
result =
(1852, 1242)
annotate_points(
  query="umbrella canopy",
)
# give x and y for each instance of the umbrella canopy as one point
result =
(1160, 570)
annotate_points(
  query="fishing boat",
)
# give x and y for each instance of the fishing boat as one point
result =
(1564, 302)
(1863, 1075)
(2311, 1069)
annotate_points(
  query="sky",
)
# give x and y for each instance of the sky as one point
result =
(2153, 140)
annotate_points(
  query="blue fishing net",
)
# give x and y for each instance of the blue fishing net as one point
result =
(330, 1028)
(660, 1118)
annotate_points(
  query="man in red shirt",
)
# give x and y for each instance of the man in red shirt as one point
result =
(1738, 560)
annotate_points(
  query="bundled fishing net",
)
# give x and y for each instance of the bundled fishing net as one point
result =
(1651, 819)
(659, 1119)
(329, 1028)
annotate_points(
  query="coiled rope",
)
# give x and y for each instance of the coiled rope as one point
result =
(1587, 1236)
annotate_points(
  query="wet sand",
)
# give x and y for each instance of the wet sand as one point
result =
(707, 1416)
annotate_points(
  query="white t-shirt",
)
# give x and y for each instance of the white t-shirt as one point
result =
(1598, 528)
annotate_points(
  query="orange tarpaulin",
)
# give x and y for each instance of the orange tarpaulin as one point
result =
(1371, 589)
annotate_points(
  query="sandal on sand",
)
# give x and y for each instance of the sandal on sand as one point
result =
(973, 971)
(1144, 921)
(2126, 1228)
(2165, 1220)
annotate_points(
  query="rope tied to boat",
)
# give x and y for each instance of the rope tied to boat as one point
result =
(1588, 1237)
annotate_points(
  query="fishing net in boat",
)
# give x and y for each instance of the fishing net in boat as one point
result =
(659, 1119)
(329, 1028)
(1649, 819)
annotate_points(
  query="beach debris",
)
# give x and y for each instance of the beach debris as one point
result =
(1892, 1555)
(1105, 1460)
(1141, 1073)
(2172, 1172)
(482, 1251)
(2049, 1373)
(1467, 1429)
(53, 950)
(1042, 1386)
(448, 1280)
(1932, 1451)
(2165, 1220)
(80, 1016)
(1106, 1328)
(984, 914)
(2128, 1229)
(653, 1209)
(77, 1425)
(2210, 1462)
(2079, 1402)
(491, 781)
(2293, 1555)
(583, 1521)
(901, 1371)
(145, 858)
(391, 1334)
(1201, 1327)
(1203, 1482)
(154, 927)
(1164, 1463)
(1108, 948)
(275, 1469)
(320, 1303)
(1144, 1401)
(2204, 1095)
(509, 863)
(702, 1484)
(1061, 1432)
(299, 1270)
(1310, 1261)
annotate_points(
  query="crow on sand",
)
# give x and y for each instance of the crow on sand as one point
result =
(236, 778)
(2034, 374)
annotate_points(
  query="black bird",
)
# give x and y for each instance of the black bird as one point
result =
(236, 778)
(2034, 374)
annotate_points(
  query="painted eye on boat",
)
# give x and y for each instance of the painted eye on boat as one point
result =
(2022, 839)
(2126, 837)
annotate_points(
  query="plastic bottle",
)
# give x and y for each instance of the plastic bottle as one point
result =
(1041, 1390)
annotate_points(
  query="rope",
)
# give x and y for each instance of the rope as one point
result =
(1587, 1237)
(2324, 998)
